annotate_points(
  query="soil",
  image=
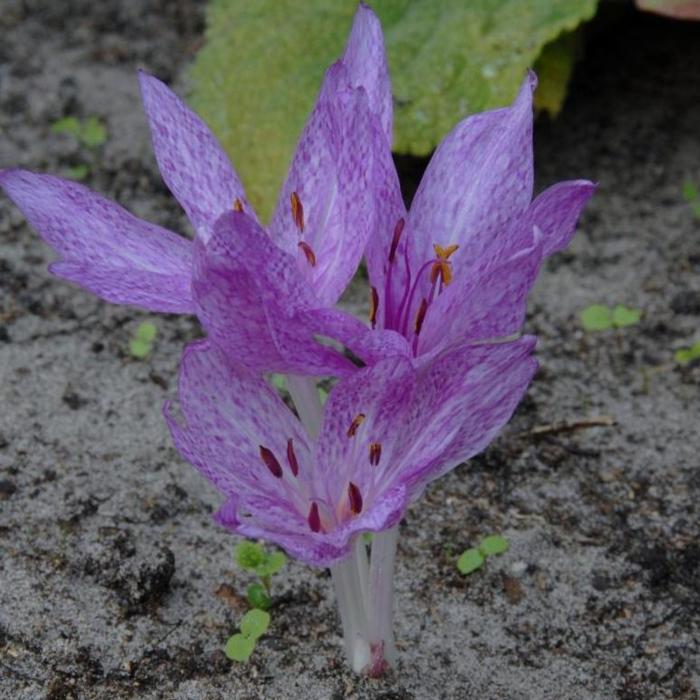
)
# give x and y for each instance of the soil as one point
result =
(115, 583)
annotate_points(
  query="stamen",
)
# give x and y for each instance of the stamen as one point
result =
(292, 458)
(375, 453)
(443, 270)
(420, 316)
(355, 498)
(237, 205)
(297, 211)
(308, 252)
(373, 306)
(398, 230)
(444, 253)
(356, 423)
(270, 461)
(314, 518)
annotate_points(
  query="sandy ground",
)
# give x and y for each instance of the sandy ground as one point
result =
(109, 561)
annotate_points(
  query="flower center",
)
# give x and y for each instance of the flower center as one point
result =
(397, 313)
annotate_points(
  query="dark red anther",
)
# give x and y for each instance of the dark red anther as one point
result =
(398, 230)
(237, 205)
(297, 211)
(308, 252)
(375, 453)
(355, 498)
(420, 316)
(314, 518)
(270, 461)
(373, 306)
(292, 458)
(356, 423)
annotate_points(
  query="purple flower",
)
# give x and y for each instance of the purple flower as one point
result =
(385, 432)
(264, 294)
(458, 266)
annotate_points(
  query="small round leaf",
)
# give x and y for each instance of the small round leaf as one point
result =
(271, 564)
(249, 555)
(239, 648)
(493, 544)
(623, 316)
(470, 560)
(596, 318)
(147, 331)
(257, 596)
(255, 623)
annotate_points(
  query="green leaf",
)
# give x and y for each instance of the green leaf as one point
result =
(257, 597)
(260, 70)
(249, 555)
(596, 318)
(623, 316)
(686, 355)
(146, 331)
(279, 381)
(690, 192)
(493, 544)
(470, 560)
(255, 623)
(554, 68)
(77, 172)
(239, 648)
(93, 133)
(67, 125)
(140, 349)
(271, 564)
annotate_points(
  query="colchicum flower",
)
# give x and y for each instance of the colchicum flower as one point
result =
(277, 284)
(384, 433)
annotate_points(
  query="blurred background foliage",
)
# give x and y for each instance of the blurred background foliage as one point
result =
(257, 76)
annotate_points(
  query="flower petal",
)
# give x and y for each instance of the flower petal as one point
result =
(488, 303)
(331, 175)
(478, 181)
(103, 247)
(365, 59)
(229, 412)
(191, 161)
(555, 213)
(462, 399)
(254, 302)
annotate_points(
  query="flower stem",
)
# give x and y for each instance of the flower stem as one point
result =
(308, 404)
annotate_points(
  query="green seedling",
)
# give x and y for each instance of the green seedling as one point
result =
(242, 644)
(141, 344)
(77, 172)
(692, 196)
(474, 558)
(253, 557)
(685, 356)
(91, 132)
(598, 317)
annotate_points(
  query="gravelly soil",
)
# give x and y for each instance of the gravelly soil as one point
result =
(109, 562)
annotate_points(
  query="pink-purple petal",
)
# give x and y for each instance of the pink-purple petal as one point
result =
(254, 302)
(103, 247)
(191, 160)
(365, 60)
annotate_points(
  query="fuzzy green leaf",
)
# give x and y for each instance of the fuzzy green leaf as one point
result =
(470, 560)
(93, 133)
(77, 172)
(685, 356)
(596, 318)
(690, 192)
(146, 331)
(67, 125)
(249, 555)
(554, 68)
(140, 349)
(261, 68)
(271, 564)
(257, 597)
(623, 316)
(239, 648)
(255, 623)
(493, 544)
